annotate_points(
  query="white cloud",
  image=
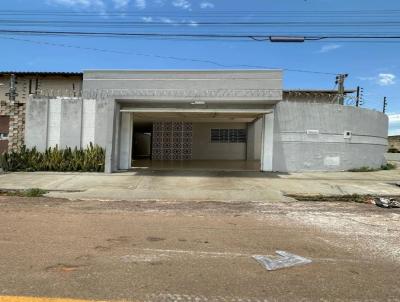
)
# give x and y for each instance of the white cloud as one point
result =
(140, 4)
(167, 20)
(159, 2)
(329, 47)
(205, 5)
(80, 4)
(147, 19)
(184, 4)
(386, 79)
(394, 118)
(193, 23)
(382, 79)
(119, 4)
(394, 124)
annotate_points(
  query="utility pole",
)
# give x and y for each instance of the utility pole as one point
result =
(359, 97)
(384, 104)
(340, 82)
(12, 92)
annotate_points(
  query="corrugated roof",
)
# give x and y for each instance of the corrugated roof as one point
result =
(40, 73)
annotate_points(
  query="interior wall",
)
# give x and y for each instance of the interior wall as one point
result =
(203, 149)
(254, 140)
(172, 141)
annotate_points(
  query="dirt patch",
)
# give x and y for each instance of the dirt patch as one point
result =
(154, 239)
(63, 268)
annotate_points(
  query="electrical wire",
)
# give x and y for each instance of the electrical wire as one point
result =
(166, 57)
(188, 35)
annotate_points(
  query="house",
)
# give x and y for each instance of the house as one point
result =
(225, 119)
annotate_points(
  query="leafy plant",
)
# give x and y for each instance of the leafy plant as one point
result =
(387, 166)
(90, 159)
(34, 192)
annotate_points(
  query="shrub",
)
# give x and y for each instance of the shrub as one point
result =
(363, 169)
(90, 159)
(393, 150)
(34, 192)
(387, 166)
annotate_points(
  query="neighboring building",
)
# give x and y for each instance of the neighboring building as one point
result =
(394, 142)
(236, 119)
(312, 95)
(12, 113)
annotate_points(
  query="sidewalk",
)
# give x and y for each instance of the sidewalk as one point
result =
(202, 186)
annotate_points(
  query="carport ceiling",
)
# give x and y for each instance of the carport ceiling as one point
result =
(204, 117)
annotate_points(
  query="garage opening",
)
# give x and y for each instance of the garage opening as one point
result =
(197, 141)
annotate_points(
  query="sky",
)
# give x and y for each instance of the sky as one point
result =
(309, 65)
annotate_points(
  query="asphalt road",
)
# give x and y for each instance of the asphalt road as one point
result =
(153, 251)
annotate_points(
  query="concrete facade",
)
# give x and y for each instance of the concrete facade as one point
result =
(283, 135)
(394, 142)
(327, 137)
(58, 122)
(32, 83)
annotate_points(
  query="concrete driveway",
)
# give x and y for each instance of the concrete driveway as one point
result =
(201, 185)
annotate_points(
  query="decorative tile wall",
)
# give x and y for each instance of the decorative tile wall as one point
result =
(172, 141)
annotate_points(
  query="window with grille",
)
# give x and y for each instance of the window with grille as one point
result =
(228, 135)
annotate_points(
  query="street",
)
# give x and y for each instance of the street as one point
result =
(196, 251)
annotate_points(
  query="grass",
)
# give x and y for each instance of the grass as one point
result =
(388, 166)
(332, 198)
(34, 192)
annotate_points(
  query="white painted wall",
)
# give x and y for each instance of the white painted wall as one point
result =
(88, 122)
(310, 137)
(54, 123)
(203, 149)
(254, 140)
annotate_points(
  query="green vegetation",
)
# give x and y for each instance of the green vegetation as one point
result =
(332, 198)
(35, 192)
(364, 169)
(387, 166)
(90, 159)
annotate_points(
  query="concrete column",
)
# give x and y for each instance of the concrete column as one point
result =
(250, 143)
(267, 142)
(125, 140)
(111, 143)
(36, 123)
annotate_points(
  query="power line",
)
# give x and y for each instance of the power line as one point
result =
(226, 23)
(166, 57)
(187, 35)
(268, 12)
